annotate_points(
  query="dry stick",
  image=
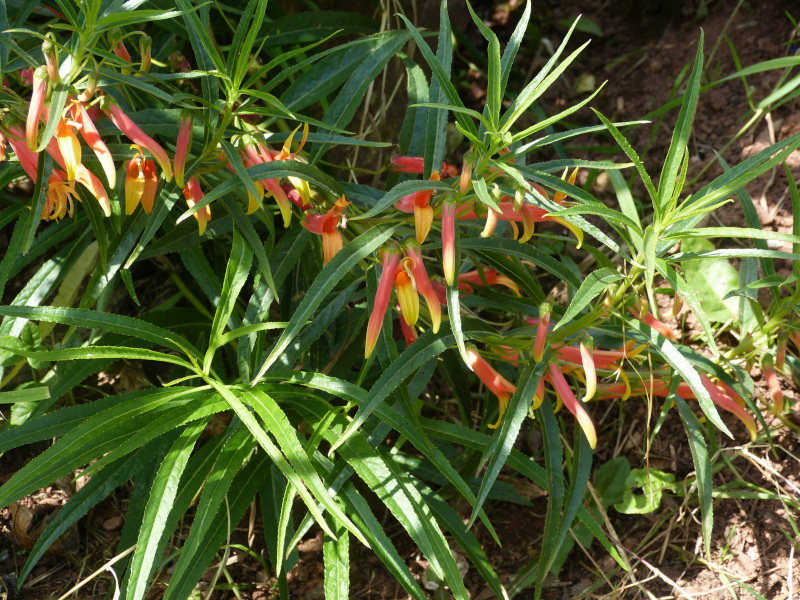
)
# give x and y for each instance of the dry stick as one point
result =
(662, 575)
(79, 585)
(789, 581)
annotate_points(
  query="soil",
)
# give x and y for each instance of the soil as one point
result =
(642, 52)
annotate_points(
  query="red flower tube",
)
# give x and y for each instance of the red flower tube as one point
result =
(571, 402)
(35, 107)
(424, 284)
(449, 241)
(496, 383)
(391, 256)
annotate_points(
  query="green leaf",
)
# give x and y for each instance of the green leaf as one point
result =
(652, 482)
(702, 467)
(242, 491)
(680, 138)
(236, 275)
(334, 271)
(555, 485)
(58, 100)
(239, 53)
(609, 480)
(506, 436)
(205, 52)
(649, 251)
(543, 80)
(712, 279)
(442, 75)
(44, 168)
(125, 19)
(494, 89)
(627, 205)
(403, 189)
(512, 47)
(98, 320)
(633, 156)
(101, 352)
(336, 560)
(594, 284)
(350, 97)
(164, 490)
(238, 447)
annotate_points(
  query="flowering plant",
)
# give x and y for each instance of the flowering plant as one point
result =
(297, 278)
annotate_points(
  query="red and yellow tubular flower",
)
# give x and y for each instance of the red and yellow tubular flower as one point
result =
(35, 107)
(416, 165)
(136, 135)
(27, 158)
(646, 317)
(603, 359)
(3, 145)
(471, 279)
(409, 331)
(587, 349)
(774, 386)
(59, 202)
(391, 257)
(449, 241)
(253, 202)
(93, 140)
(559, 196)
(141, 183)
(496, 383)
(406, 289)
(194, 195)
(423, 212)
(424, 286)
(542, 328)
(326, 226)
(538, 395)
(725, 402)
(465, 182)
(272, 187)
(183, 144)
(564, 392)
(69, 146)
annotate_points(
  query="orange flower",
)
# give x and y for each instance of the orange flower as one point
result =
(496, 383)
(118, 48)
(193, 195)
(542, 329)
(250, 158)
(326, 226)
(141, 183)
(416, 164)
(423, 212)
(92, 137)
(424, 284)
(136, 135)
(69, 146)
(59, 200)
(35, 107)
(406, 289)
(589, 371)
(449, 241)
(183, 144)
(564, 391)
(391, 257)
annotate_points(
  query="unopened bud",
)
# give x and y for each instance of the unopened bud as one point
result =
(145, 46)
(780, 356)
(465, 182)
(91, 87)
(545, 308)
(51, 58)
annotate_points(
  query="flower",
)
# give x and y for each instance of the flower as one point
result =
(472, 279)
(326, 226)
(391, 257)
(35, 107)
(424, 284)
(603, 359)
(90, 134)
(69, 146)
(251, 157)
(141, 183)
(183, 144)
(449, 241)
(423, 212)
(301, 185)
(136, 135)
(118, 48)
(416, 164)
(496, 383)
(588, 367)
(646, 317)
(542, 328)
(253, 202)
(564, 392)
(406, 289)
(774, 385)
(51, 59)
(59, 200)
(193, 195)
(725, 402)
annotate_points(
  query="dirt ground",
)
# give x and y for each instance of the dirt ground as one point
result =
(642, 51)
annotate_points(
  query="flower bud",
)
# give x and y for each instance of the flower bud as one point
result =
(145, 46)
(51, 58)
(465, 182)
